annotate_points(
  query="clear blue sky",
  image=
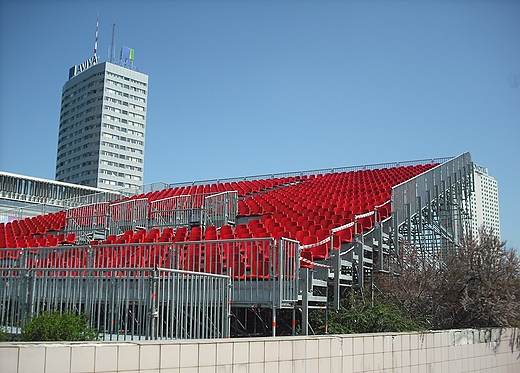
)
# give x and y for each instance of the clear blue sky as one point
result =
(251, 87)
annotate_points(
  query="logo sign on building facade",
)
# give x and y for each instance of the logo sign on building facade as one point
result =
(76, 69)
(127, 53)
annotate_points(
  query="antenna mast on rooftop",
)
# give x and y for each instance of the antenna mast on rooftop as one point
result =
(112, 45)
(95, 43)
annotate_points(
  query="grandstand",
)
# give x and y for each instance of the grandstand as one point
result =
(236, 257)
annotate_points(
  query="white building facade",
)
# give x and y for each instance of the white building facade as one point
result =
(485, 206)
(102, 129)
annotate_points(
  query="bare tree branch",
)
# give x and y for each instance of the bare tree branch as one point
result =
(477, 285)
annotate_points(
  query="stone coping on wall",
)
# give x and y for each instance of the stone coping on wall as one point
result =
(469, 350)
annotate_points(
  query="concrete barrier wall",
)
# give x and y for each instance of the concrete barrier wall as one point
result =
(496, 350)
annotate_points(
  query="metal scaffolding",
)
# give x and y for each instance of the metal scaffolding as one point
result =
(433, 210)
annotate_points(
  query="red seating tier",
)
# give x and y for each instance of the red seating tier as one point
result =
(302, 208)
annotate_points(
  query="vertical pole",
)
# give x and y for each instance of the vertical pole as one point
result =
(327, 310)
(408, 222)
(437, 204)
(443, 216)
(337, 273)
(228, 318)
(154, 312)
(275, 249)
(395, 224)
(226, 209)
(294, 320)
(429, 203)
(372, 284)
(379, 236)
(359, 250)
(274, 320)
(280, 247)
(278, 280)
(419, 212)
(305, 301)
(455, 214)
(28, 296)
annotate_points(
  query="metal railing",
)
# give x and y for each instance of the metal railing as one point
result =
(121, 303)
(311, 172)
(62, 195)
(265, 271)
(177, 211)
(49, 192)
(288, 276)
(96, 221)
(150, 290)
(221, 209)
(19, 211)
(85, 221)
(128, 215)
(205, 209)
(153, 187)
(190, 305)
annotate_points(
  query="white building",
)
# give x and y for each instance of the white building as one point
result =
(484, 202)
(102, 125)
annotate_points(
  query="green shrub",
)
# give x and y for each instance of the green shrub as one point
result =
(357, 315)
(4, 337)
(54, 326)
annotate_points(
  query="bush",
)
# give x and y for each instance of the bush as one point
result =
(4, 337)
(476, 285)
(357, 315)
(54, 326)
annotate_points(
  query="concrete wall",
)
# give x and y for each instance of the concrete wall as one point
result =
(496, 350)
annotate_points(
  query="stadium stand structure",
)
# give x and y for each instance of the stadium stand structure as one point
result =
(286, 243)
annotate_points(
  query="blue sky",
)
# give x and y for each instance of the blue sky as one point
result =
(252, 87)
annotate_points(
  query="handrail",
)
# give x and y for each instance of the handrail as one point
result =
(311, 172)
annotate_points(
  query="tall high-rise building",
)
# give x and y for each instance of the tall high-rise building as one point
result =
(484, 202)
(102, 124)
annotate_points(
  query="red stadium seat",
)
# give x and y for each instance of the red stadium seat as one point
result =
(306, 259)
(346, 234)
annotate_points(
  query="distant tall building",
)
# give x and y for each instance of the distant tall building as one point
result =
(102, 124)
(484, 201)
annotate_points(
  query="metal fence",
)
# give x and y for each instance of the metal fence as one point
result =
(85, 221)
(312, 172)
(96, 221)
(150, 290)
(177, 211)
(49, 192)
(122, 304)
(265, 271)
(190, 305)
(128, 215)
(195, 209)
(13, 210)
(153, 187)
(289, 264)
(221, 208)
